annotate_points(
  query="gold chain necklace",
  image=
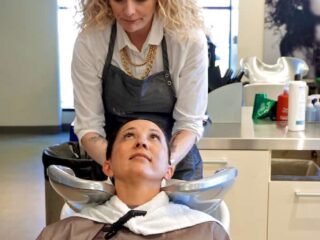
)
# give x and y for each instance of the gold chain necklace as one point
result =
(125, 59)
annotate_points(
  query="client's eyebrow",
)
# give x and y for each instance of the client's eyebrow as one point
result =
(155, 130)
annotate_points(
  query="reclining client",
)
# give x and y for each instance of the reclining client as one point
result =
(137, 162)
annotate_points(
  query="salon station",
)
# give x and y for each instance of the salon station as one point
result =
(261, 167)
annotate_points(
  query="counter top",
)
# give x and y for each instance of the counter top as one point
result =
(262, 135)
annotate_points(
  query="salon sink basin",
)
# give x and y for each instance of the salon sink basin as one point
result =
(203, 194)
(294, 170)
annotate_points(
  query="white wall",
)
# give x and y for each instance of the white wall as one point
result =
(251, 28)
(29, 94)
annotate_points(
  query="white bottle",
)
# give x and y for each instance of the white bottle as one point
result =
(297, 105)
(310, 111)
(317, 107)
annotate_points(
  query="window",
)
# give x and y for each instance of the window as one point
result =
(67, 33)
(221, 17)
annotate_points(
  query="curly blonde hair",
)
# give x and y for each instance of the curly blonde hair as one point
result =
(178, 16)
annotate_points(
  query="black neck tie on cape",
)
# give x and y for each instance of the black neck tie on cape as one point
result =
(115, 227)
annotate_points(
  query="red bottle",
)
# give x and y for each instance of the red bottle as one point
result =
(282, 106)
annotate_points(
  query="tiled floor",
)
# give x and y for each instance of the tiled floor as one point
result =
(22, 202)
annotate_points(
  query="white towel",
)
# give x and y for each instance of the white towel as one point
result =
(162, 215)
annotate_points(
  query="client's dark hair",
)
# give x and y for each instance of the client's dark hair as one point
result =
(113, 135)
(111, 139)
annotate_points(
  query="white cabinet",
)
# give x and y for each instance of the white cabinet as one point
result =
(248, 198)
(294, 210)
(261, 209)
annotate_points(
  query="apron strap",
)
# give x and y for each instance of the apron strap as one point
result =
(165, 54)
(111, 47)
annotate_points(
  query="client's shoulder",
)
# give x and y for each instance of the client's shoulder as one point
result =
(71, 228)
(207, 231)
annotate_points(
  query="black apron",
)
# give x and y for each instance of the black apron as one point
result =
(153, 98)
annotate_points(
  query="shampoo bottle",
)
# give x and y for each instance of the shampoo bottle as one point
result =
(297, 105)
(282, 106)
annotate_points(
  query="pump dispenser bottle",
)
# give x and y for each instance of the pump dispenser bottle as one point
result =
(297, 105)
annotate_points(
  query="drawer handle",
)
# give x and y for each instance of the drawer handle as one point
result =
(222, 161)
(303, 194)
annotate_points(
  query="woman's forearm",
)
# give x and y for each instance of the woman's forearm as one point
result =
(96, 146)
(180, 145)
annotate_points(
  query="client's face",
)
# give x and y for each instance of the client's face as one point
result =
(140, 150)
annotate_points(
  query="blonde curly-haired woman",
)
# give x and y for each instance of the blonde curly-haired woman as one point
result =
(142, 58)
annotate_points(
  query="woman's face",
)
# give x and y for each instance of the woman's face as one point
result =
(140, 150)
(133, 15)
(315, 7)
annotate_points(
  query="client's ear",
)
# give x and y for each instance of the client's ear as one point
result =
(106, 168)
(169, 173)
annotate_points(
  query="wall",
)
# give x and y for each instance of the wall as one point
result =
(29, 94)
(251, 28)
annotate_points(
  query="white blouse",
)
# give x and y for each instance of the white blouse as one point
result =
(188, 64)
